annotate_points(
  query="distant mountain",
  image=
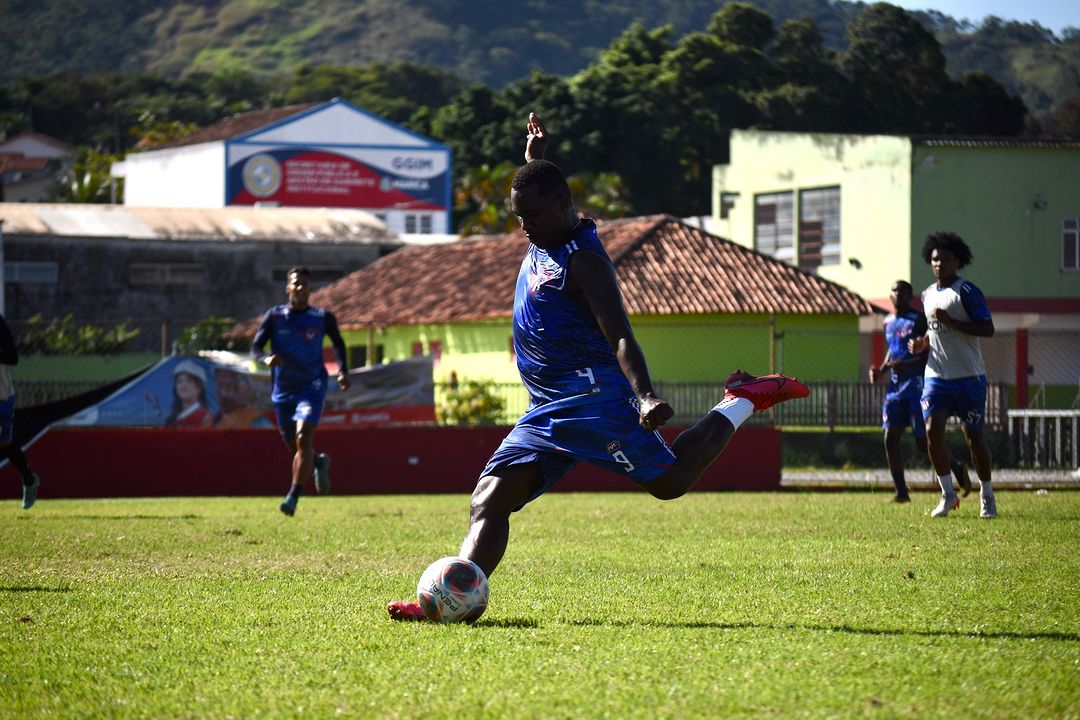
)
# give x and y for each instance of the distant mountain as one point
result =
(489, 41)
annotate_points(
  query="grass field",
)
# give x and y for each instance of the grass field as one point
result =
(615, 605)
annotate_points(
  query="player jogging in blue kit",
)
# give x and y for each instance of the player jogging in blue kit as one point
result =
(295, 332)
(955, 381)
(592, 398)
(903, 398)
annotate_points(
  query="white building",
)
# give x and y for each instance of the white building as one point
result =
(330, 154)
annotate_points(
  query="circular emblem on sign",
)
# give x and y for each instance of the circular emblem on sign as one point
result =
(385, 185)
(262, 175)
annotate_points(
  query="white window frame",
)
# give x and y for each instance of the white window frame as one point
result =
(1070, 233)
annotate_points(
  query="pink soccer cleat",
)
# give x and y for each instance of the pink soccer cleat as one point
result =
(764, 390)
(405, 611)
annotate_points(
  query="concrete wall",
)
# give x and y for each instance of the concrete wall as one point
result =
(237, 279)
(189, 176)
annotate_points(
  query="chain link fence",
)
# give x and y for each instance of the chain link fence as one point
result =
(839, 426)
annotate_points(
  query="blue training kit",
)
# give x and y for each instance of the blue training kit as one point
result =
(582, 406)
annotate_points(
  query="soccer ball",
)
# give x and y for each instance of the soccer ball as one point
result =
(453, 589)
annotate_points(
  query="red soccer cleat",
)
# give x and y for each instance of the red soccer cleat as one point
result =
(405, 611)
(764, 390)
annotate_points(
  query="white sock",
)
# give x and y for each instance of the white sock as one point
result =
(945, 481)
(735, 409)
(985, 489)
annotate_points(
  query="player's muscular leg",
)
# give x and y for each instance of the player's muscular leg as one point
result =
(980, 453)
(935, 438)
(695, 449)
(892, 449)
(494, 498)
(304, 459)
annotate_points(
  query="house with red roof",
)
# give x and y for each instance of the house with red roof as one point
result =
(701, 307)
(31, 164)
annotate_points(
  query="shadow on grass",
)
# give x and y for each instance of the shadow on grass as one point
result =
(1065, 637)
(508, 623)
(33, 588)
(117, 517)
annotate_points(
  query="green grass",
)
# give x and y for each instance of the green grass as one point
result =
(616, 605)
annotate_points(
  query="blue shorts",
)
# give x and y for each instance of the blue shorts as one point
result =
(898, 411)
(305, 407)
(600, 430)
(964, 398)
(7, 419)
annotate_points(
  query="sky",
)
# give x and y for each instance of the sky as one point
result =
(1053, 14)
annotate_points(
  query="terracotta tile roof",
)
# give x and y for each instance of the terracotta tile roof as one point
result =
(664, 266)
(238, 124)
(17, 162)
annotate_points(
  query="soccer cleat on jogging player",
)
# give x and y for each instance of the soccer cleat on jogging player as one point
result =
(987, 507)
(29, 493)
(322, 473)
(764, 390)
(947, 504)
(288, 505)
(404, 610)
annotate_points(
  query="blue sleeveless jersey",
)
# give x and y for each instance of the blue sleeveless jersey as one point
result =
(296, 338)
(907, 380)
(560, 349)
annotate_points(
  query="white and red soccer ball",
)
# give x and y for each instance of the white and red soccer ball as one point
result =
(453, 589)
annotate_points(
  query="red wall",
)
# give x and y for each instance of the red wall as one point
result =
(124, 462)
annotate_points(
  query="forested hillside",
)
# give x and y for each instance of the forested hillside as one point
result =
(489, 41)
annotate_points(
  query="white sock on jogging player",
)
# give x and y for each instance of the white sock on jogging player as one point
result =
(946, 482)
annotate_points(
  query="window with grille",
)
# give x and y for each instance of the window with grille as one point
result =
(1070, 244)
(819, 228)
(425, 224)
(774, 225)
(410, 223)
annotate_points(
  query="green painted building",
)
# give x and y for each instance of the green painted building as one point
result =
(855, 209)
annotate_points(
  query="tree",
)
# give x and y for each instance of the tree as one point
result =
(482, 197)
(984, 107)
(90, 179)
(1066, 119)
(897, 73)
(742, 24)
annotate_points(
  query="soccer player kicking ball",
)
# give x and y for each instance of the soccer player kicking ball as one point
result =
(955, 382)
(592, 398)
(295, 331)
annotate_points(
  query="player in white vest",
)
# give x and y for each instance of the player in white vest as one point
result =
(955, 379)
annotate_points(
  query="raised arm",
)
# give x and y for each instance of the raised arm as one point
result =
(536, 140)
(594, 277)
